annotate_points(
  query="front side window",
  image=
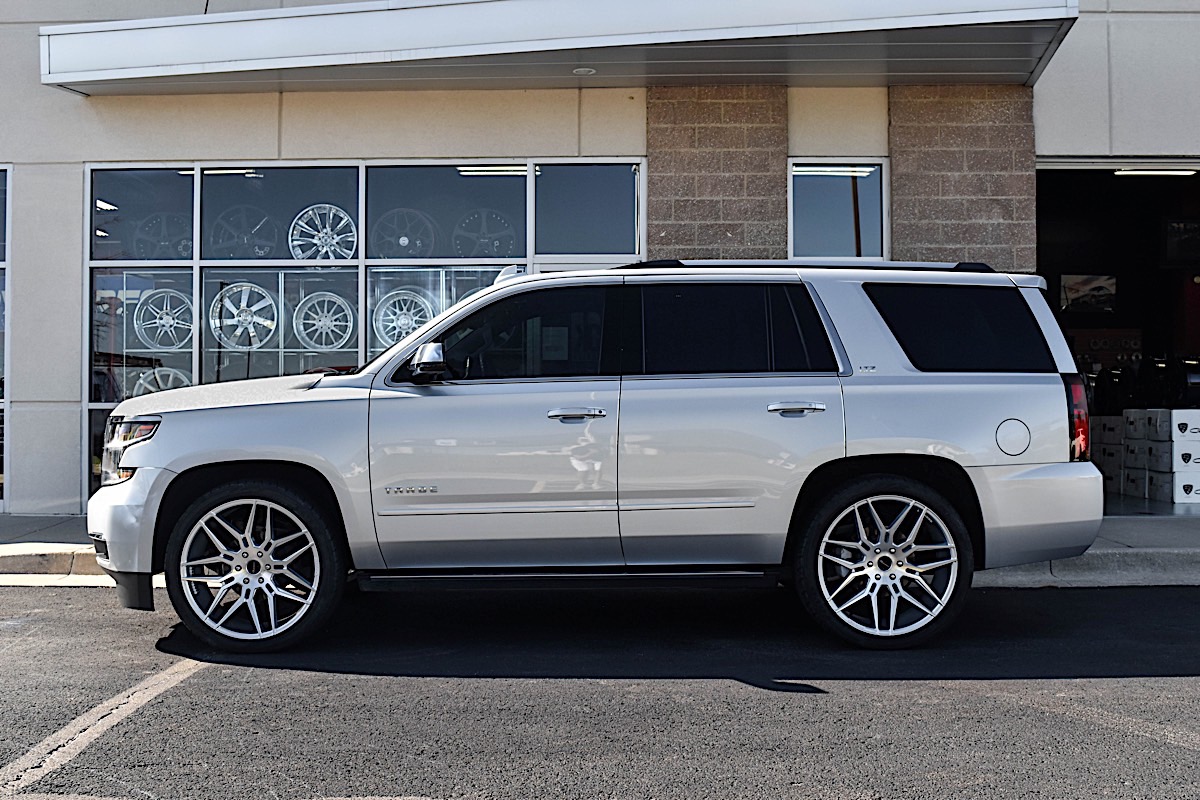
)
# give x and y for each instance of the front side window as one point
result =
(730, 328)
(548, 333)
(837, 210)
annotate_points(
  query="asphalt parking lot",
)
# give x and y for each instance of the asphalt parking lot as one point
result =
(589, 694)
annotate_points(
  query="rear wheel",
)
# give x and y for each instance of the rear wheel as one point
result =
(253, 566)
(884, 563)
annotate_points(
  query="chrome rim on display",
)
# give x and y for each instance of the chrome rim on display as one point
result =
(323, 321)
(322, 231)
(400, 313)
(160, 379)
(887, 578)
(163, 236)
(484, 233)
(403, 233)
(162, 319)
(243, 232)
(243, 316)
(250, 569)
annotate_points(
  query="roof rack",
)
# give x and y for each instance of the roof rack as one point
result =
(671, 263)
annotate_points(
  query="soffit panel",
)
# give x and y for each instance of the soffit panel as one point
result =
(515, 44)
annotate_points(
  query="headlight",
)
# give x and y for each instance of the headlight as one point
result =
(119, 434)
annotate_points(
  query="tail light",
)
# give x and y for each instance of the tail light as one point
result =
(1077, 418)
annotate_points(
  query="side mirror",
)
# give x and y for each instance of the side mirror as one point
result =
(428, 361)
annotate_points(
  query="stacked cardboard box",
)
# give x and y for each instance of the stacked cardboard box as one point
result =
(1107, 452)
(1134, 450)
(1173, 455)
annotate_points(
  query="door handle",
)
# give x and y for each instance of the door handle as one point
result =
(576, 413)
(795, 407)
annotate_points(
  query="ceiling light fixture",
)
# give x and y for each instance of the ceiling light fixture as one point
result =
(1180, 173)
(584, 71)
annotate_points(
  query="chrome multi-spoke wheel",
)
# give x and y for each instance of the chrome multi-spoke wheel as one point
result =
(403, 233)
(484, 233)
(160, 379)
(163, 319)
(324, 321)
(885, 562)
(252, 566)
(399, 313)
(322, 231)
(243, 232)
(243, 316)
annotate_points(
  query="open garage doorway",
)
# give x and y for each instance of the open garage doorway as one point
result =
(1120, 251)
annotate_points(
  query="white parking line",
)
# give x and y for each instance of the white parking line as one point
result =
(57, 749)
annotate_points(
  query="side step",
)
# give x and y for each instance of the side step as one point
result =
(399, 581)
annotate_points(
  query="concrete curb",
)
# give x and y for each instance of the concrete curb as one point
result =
(39, 558)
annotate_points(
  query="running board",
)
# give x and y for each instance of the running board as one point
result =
(407, 581)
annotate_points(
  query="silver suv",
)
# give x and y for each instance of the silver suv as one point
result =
(870, 435)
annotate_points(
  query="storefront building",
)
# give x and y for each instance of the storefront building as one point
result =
(207, 191)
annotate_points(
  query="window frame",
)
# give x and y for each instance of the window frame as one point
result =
(6, 286)
(885, 199)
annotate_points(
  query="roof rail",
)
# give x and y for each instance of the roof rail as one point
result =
(812, 263)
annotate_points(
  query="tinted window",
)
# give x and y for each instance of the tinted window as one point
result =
(693, 328)
(963, 328)
(548, 333)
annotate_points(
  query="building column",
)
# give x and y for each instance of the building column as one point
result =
(963, 175)
(717, 171)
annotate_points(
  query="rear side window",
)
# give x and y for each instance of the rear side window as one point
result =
(729, 328)
(963, 328)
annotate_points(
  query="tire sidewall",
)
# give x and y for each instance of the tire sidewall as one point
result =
(807, 559)
(332, 562)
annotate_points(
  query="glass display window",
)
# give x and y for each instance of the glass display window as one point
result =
(261, 323)
(474, 211)
(402, 299)
(142, 332)
(3, 215)
(291, 213)
(142, 215)
(586, 209)
(838, 209)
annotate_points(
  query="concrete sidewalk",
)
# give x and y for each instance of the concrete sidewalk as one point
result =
(1131, 551)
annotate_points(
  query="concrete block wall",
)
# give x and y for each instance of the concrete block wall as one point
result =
(963, 182)
(717, 180)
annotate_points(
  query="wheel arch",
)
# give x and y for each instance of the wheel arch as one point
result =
(946, 477)
(191, 483)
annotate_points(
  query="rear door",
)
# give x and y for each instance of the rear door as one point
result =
(730, 399)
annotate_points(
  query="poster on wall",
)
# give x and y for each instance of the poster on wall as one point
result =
(1089, 293)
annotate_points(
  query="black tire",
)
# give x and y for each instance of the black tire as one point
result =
(299, 563)
(829, 576)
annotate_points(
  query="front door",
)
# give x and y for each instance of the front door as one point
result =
(508, 460)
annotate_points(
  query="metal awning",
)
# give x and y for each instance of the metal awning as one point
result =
(539, 44)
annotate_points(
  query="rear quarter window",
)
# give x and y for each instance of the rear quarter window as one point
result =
(962, 328)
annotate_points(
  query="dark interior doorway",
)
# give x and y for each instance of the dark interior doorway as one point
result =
(1121, 257)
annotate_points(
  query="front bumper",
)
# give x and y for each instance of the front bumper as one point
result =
(1038, 512)
(121, 520)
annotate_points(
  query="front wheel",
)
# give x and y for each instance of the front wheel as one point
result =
(253, 566)
(885, 562)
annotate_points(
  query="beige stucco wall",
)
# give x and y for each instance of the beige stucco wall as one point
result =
(56, 133)
(1123, 82)
(838, 122)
